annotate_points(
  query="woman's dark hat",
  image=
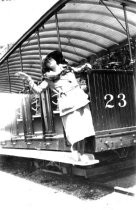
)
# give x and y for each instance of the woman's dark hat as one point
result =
(57, 56)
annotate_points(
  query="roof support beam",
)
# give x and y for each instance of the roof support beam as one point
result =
(127, 2)
(97, 12)
(68, 20)
(78, 29)
(63, 43)
(76, 37)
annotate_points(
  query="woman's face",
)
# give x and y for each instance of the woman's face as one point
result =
(52, 64)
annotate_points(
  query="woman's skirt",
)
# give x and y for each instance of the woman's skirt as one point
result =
(78, 124)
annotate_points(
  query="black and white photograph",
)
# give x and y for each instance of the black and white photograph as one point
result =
(67, 104)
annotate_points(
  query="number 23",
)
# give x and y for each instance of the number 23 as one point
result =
(122, 100)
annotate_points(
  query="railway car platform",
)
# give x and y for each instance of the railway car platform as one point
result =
(55, 156)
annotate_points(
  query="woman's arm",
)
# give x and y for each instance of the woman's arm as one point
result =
(37, 88)
(32, 85)
(84, 67)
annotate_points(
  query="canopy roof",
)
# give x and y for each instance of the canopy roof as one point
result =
(79, 28)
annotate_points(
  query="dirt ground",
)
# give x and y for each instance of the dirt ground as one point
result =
(29, 190)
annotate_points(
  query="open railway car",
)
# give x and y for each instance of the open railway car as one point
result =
(101, 32)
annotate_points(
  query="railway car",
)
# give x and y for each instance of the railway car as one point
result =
(101, 32)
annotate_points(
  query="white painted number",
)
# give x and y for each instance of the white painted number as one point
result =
(123, 101)
(110, 100)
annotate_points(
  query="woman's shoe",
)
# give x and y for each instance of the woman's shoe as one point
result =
(76, 155)
(87, 157)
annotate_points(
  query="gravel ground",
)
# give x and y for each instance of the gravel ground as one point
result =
(76, 186)
(73, 190)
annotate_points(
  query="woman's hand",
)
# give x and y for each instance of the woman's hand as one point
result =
(84, 68)
(23, 76)
(87, 67)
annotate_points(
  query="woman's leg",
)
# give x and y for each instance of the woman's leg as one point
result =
(79, 152)
(75, 153)
(78, 125)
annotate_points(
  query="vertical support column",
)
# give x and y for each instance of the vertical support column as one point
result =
(20, 58)
(13, 126)
(47, 119)
(130, 51)
(27, 118)
(57, 26)
(132, 62)
(127, 32)
(26, 109)
(42, 99)
(49, 111)
(134, 86)
(48, 124)
(38, 38)
(24, 124)
(21, 63)
(134, 57)
(9, 77)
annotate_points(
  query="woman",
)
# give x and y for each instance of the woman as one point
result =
(72, 100)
